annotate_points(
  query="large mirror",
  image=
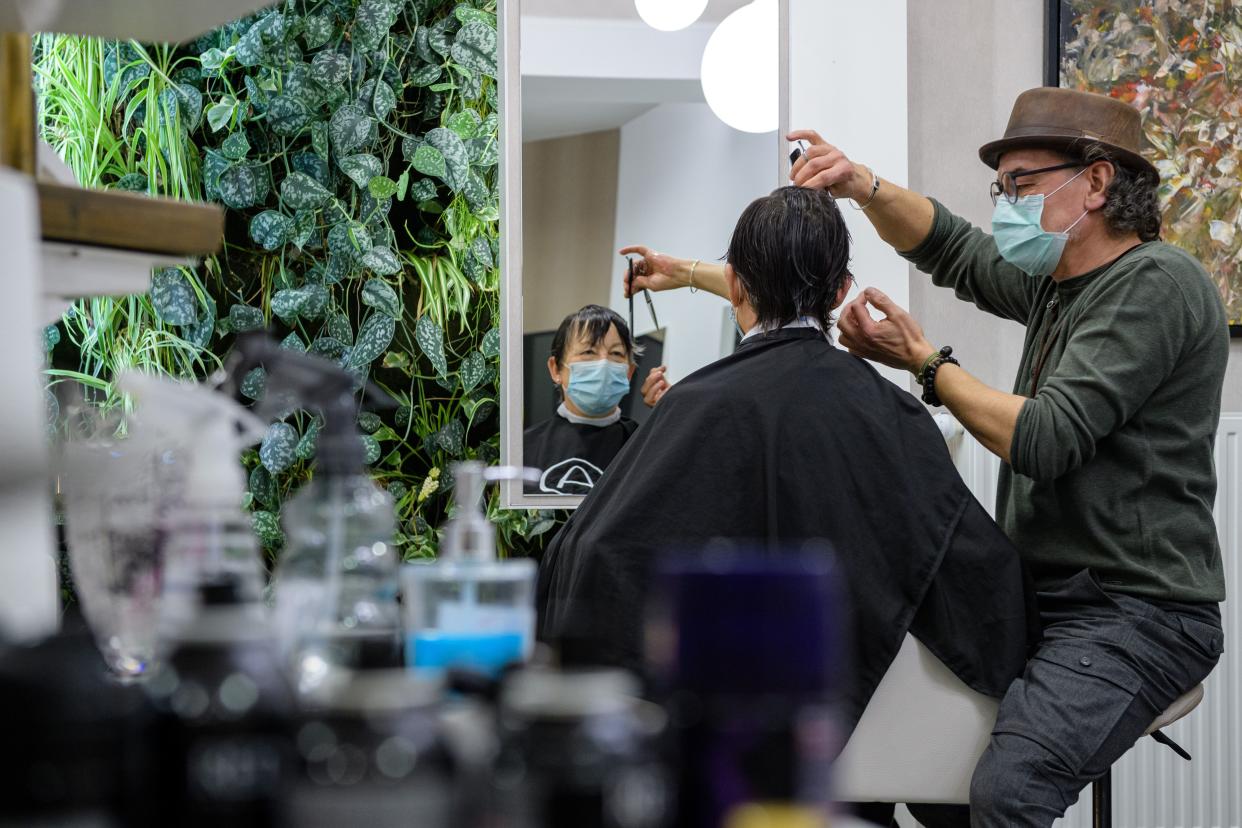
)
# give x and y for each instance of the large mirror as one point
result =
(609, 143)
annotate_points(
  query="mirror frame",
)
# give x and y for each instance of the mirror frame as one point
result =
(512, 315)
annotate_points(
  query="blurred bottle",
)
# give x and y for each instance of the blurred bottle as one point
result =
(71, 755)
(467, 609)
(337, 582)
(221, 747)
(746, 654)
(376, 749)
(579, 749)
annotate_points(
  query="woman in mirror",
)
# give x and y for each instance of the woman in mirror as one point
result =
(592, 361)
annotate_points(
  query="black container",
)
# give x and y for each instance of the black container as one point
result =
(222, 751)
(578, 749)
(374, 751)
(69, 752)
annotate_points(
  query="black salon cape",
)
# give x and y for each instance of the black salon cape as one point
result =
(787, 439)
(572, 456)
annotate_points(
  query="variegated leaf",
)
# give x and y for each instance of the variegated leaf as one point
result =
(277, 449)
(173, 297)
(431, 340)
(379, 294)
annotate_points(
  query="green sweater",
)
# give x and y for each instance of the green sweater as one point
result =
(1111, 462)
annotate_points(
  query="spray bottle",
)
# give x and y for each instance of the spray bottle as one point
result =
(207, 535)
(467, 609)
(336, 584)
(221, 752)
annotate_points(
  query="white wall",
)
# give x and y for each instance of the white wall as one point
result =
(847, 80)
(684, 179)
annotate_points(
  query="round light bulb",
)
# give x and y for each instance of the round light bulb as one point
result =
(670, 15)
(741, 68)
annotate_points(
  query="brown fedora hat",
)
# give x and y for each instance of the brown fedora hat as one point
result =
(1069, 121)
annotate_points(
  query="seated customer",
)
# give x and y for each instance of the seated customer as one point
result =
(592, 361)
(791, 439)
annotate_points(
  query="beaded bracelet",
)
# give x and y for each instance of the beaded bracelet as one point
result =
(944, 355)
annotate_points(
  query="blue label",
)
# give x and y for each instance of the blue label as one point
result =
(487, 652)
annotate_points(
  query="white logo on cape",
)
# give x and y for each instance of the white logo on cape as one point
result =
(570, 477)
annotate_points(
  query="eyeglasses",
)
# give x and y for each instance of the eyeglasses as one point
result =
(1008, 184)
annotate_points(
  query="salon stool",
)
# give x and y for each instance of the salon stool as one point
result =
(1102, 788)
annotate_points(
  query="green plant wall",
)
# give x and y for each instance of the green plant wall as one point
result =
(354, 144)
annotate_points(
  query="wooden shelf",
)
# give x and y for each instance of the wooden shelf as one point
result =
(150, 21)
(126, 221)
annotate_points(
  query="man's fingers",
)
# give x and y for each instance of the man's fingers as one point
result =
(882, 303)
(864, 325)
(805, 135)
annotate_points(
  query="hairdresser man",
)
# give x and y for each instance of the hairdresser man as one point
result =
(1107, 484)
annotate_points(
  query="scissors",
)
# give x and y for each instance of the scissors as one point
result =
(646, 295)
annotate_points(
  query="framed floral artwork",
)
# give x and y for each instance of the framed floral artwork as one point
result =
(1180, 63)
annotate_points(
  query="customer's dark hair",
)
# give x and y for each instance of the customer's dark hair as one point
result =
(1130, 203)
(591, 322)
(791, 252)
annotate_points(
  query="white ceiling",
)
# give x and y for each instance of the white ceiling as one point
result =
(717, 10)
(592, 65)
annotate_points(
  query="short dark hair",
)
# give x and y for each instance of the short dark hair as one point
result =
(791, 252)
(1131, 204)
(592, 323)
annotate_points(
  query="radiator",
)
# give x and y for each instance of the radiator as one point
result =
(1152, 786)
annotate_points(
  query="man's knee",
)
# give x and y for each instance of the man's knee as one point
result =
(1013, 784)
(996, 782)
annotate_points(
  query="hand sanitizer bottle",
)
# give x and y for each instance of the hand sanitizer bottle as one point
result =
(467, 609)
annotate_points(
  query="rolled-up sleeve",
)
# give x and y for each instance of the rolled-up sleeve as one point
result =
(1126, 345)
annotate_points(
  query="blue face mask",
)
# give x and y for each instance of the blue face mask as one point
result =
(596, 387)
(1021, 237)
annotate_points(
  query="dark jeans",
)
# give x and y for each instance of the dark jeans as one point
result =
(1107, 666)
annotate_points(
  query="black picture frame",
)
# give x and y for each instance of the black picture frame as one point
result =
(1052, 42)
(1056, 18)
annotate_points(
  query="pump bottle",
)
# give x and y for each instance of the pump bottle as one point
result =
(467, 609)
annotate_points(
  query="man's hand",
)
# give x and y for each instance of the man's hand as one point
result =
(896, 340)
(824, 167)
(656, 386)
(653, 271)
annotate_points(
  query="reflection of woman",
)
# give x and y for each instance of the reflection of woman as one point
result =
(592, 361)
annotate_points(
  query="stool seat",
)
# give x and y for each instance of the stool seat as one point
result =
(1181, 706)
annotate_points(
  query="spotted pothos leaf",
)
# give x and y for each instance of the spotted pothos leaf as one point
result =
(361, 168)
(301, 192)
(245, 318)
(173, 297)
(456, 156)
(430, 339)
(270, 229)
(491, 343)
(266, 526)
(373, 339)
(254, 383)
(475, 48)
(277, 449)
(350, 128)
(473, 370)
(379, 294)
